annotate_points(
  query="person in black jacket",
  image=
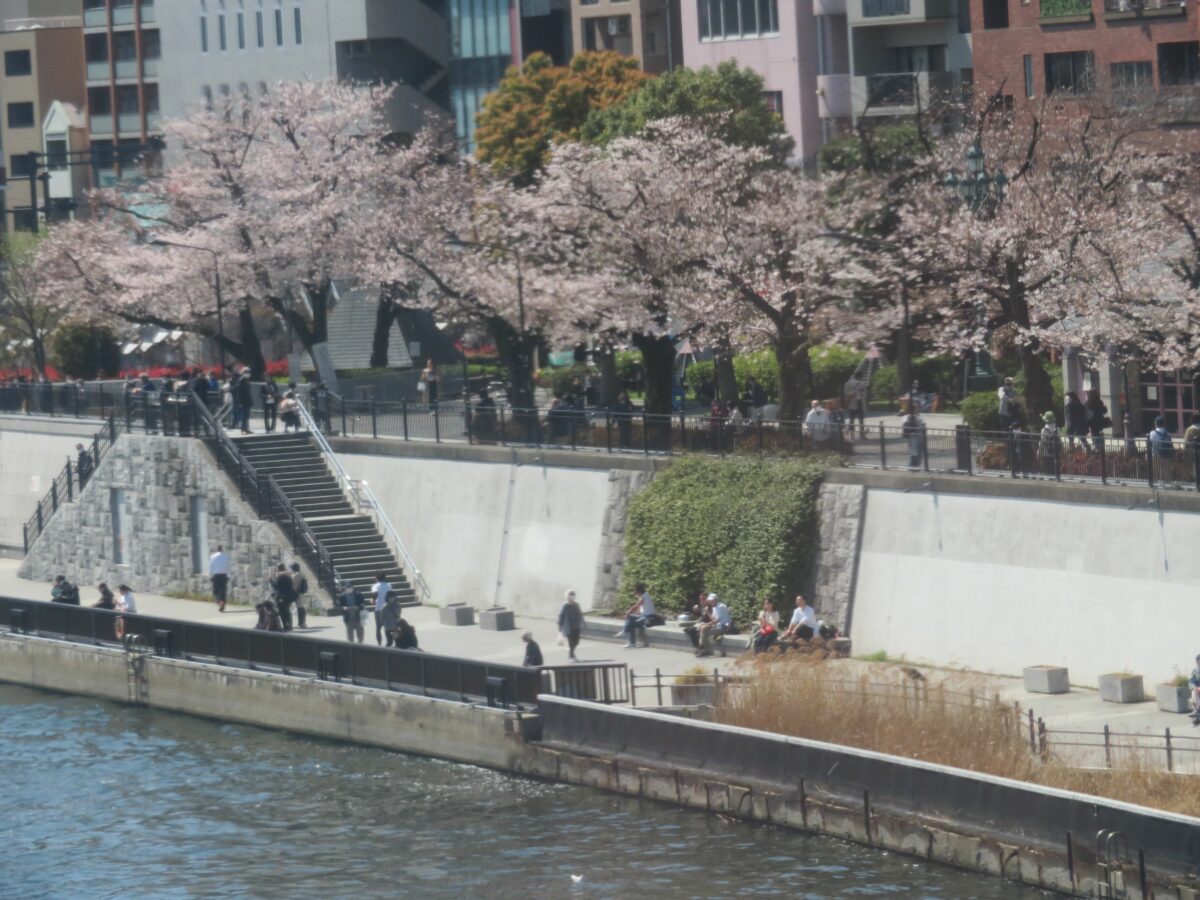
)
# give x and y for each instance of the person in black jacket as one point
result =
(83, 465)
(533, 653)
(243, 401)
(269, 393)
(285, 595)
(1075, 414)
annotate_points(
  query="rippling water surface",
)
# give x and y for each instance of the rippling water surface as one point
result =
(100, 800)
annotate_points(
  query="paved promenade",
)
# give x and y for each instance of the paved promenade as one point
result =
(1080, 710)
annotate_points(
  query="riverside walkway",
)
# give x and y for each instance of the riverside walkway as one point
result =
(1080, 711)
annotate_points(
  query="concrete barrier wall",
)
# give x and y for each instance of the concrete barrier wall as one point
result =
(1037, 835)
(31, 456)
(327, 709)
(997, 584)
(490, 531)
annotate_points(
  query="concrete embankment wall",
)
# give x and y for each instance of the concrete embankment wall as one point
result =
(497, 525)
(387, 719)
(997, 575)
(1014, 830)
(32, 453)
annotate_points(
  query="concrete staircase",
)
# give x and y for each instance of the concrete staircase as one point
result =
(352, 540)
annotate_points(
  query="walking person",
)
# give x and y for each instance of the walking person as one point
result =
(428, 385)
(83, 465)
(913, 431)
(380, 590)
(353, 606)
(1098, 418)
(1009, 411)
(1048, 444)
(244, 400)
(390, 618)
(301, 584)
(1162, 449)
(269, 393)
(284, 590)
(218, 571)
(570, 623)
(1075, 414)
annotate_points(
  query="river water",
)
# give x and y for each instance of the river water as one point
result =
(102, 800)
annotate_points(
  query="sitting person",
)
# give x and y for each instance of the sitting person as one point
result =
(1194, 684)
(701, 613)
(803, 624)
(533, 653)
(721, 623)
(406, 636)
(638, 616)
(63, 591)
(268, 618)
(768, 627)
(107, 599)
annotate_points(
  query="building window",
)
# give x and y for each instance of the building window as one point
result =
(1179, 63)
(1028, 60)
(1131, 76)
(241, 28)
(99, 100)
(221, 37)
(651, 42)
(296, 25)
(874, 9)
(355, 48)
(206, 92)
(721, 19)
(774, 101)
(18, 62)
(1069, 73)
(25, 219)
(258, 27)
(995, 13)
(20, 115)
(278, 25)
(56, 155)
(21, 165)
(964, 16)
(204, 34)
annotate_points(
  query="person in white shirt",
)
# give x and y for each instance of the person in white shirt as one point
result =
(638, 616)
(381, 589)
(816, 423)
(721, 623)
(125, 601)
(218, 570)
(803, 624)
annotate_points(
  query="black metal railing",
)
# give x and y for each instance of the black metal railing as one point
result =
(264, 494)
(599, 682)
(447, 677)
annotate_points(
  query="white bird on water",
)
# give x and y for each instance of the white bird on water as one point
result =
(575, 879)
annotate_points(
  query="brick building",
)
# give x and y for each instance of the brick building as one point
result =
(1031, 49)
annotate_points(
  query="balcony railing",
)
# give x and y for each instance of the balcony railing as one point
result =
(898, 93)
(130, 123)
(95, 18)
(122, 14)
(125, 68)
(153, 121)
(147, 13)
(892, 90)
(150, 68)
(1137, 6)
(101, 124)
(1064, 9)
(97, 70)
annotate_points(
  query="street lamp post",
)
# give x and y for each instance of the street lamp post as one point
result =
(982, 192)
(159, 242)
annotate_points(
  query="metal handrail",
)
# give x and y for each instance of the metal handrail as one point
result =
(302, 533)
(366, 503)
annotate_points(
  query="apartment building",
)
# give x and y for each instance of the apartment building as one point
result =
(775, 38)
(649, 30)
(1130, 49)
(42, 63)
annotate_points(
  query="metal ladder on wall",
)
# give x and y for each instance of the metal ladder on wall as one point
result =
(1112, 855)
(135, 670)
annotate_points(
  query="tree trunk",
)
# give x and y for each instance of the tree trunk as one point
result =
(251, 347)
(385, 315)
(1039, 391)
(727, 388)
(516, 355)
(606, 360)
(658, 371)
(795, 375)
(39, 353)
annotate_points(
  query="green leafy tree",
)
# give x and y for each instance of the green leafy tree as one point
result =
(731, 96)
(877, 150)
(86, 351)
(539, 104)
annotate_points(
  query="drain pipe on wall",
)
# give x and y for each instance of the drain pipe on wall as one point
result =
(508, 504)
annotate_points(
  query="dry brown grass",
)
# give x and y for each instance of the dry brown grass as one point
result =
(951, 723)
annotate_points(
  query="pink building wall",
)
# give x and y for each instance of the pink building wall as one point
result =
(787, 63)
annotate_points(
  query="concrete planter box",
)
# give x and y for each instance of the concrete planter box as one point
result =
(1172, 699)
(1118, 688)
(456, 614)
(693, 694)
(497, 619)
(1047, 680)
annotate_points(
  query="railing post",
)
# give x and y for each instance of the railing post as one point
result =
(608, 429)
(882, 448)
(295, 531)
(682, 432)
(1012, 453)
(1170, 754)
(467, 416)
(571, 423)
(375, 421)
(645, 433)
(404, 416)
(54, 495)
(503, 439)
(112, 433)
(1057, 448)
(925, 448)
(1149, 463)
(41, 523)
(437, 424)
(1100, 442)
(25, 536)
(342, 404)
(1107, 749)
(70, 488)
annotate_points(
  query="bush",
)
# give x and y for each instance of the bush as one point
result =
(885, 384)
(84, 351)
(698, 372)
(832, 367)
(744, 528)
(761, 364)
(629, 365)
(565, 381)
(981, 410)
